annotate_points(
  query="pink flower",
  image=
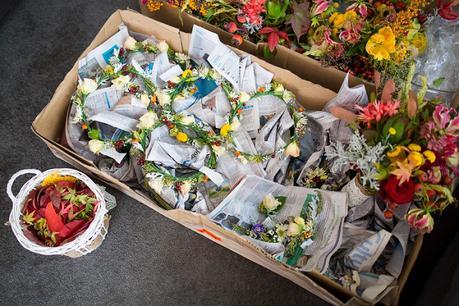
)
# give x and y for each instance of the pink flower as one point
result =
(321, 6)
(253, 9)
(350, 36)
(363, 10)
(442, 131)
(391, 108)
(420, 219)
(375, 111)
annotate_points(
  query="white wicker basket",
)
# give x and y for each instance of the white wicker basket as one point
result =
(84, 243)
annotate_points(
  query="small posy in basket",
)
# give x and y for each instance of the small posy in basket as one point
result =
(59, 212)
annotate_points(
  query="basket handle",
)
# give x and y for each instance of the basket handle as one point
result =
(9, 186)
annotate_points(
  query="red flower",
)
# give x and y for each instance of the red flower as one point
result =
(273, 36)
(446, 9)
(231, 27)
(393, 191)
(236, 40)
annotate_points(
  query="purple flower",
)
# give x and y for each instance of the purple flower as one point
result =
(258, 229)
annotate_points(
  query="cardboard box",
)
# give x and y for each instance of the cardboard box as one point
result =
(303, 66)
(50, 123)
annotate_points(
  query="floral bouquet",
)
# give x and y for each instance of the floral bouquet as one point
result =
(355, 36)
(59, 209)
(405, 148)
(293, 233)
(362, 36)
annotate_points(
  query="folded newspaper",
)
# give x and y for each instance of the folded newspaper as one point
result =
(212, 132)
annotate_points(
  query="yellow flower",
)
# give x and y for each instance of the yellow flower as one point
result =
(381, 44)
(339, 20)
(186, 73)
(225, 129)
(392, 131)
(350, 15)
(108, 70)
(332, 17)
(396, 152)
(414, 147)
(416, 159)
(56, 177)
(420, 42)
(182, 137)
(430, 155)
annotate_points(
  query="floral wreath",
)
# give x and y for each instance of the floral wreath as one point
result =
(183, 127)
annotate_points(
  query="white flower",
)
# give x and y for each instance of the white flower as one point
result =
(78, 115)
(145, 99)
(182, 57)
(293, 229)
(235, 124)
(163, 46)
(187, 120)
(87, 86)
(288, 95)
(244, 97)
(95, 146)
(219, 150)
(163, 98)
(279, 88)
(270, 203)
(147, 120)
(121, 82)
(292, 149)
(299, 220)
(203, 70)
(156, 184)
(185, 187)
(129, 43)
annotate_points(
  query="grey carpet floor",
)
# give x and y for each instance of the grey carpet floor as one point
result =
(146, 258)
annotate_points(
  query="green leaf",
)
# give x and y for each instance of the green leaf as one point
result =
(437, 83)
(94, 134)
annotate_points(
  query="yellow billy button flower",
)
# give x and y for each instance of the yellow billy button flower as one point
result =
(394, 153)
(186, 73)
(182, 137)
(430, 156)
(392, 131)
(414, 147)
(416, 159)
(225, 129)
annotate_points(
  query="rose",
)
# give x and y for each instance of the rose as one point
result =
(87, 86)
(270, 203)
(163, 46)
(121, 82)
(129, 43)
(95, 146)
(292, 149)
(294, 229)
(392, 190)
(147, 120)
(163, 98)
(186, 120)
